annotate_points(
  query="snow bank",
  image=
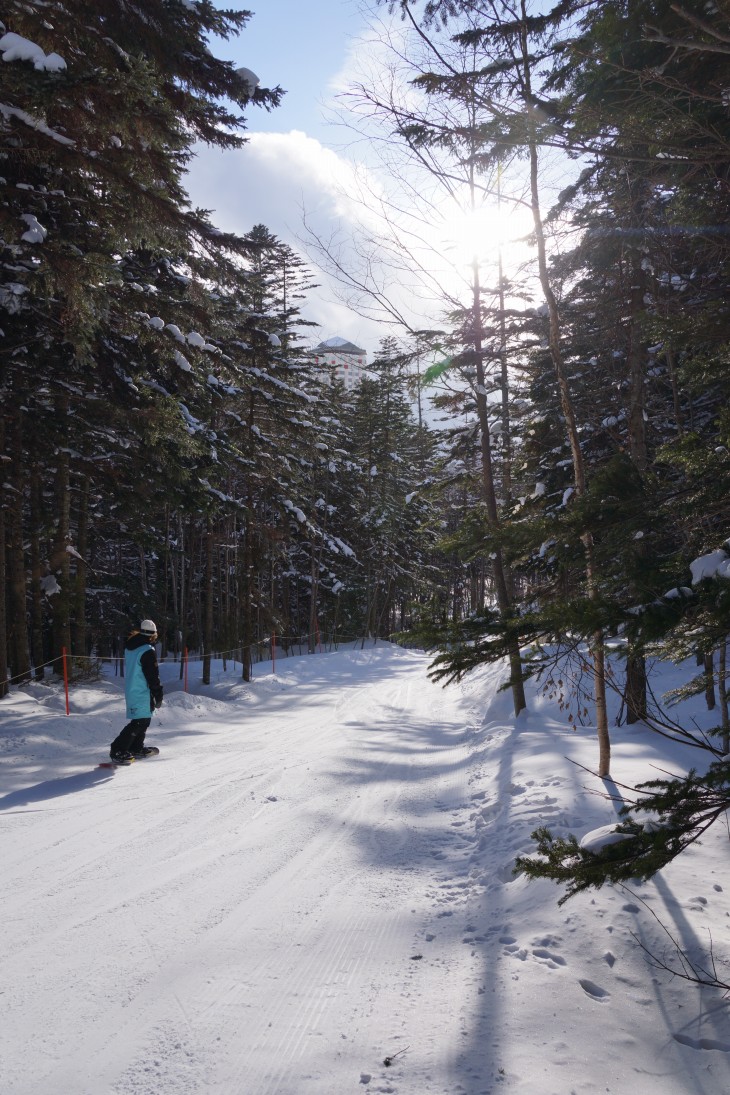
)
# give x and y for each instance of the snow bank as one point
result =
(311, 891)
(716, 564)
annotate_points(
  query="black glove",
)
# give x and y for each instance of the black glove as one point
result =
(157, 697)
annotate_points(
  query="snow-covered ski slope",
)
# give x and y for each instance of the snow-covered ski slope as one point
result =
(314, 878)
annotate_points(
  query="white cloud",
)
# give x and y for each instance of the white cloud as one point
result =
(326, 179)
(274, 180)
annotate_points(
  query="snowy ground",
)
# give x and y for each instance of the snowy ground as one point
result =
(310, 892)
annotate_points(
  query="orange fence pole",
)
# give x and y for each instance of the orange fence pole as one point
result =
(185, 676)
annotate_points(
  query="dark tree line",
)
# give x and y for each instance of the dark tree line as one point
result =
(167, 447)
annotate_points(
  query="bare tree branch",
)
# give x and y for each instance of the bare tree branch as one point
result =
(685, 967)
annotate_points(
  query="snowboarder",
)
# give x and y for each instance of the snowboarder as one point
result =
(143, 693)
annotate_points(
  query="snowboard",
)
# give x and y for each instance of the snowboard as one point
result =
(126, 763)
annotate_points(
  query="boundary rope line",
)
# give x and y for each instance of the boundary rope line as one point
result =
(281, 642)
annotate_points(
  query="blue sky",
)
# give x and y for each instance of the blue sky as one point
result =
(301, 47)
(297, 162)
(292, 160)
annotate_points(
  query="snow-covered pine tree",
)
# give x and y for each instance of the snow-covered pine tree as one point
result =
(392, 517)
(647, 96)
(100, 112)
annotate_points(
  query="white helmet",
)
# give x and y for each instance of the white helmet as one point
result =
(148, 627)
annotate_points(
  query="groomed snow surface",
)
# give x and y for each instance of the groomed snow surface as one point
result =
(310, 892)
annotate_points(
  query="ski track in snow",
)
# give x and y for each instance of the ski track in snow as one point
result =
(318, 878)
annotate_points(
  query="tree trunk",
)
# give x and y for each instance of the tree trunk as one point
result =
(566, 404)
(208, 601)
(247, 614)
(4, 686)
(710, 681)
(36, 528)
(635, 690)
(60, 558)
(502, 580)
(246, 586)
(722, 691)
(504, 371)
(672, 366)
(313, 600)
(636, 356)
(182, 588)
(17, 619)
(167, 577)
(82, 547)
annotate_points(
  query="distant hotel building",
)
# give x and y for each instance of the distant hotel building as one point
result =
(342, 360)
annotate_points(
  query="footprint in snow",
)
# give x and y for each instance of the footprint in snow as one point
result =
(506, 873)
(551, 960)
(590, 988)
(702, 1043)
(547, 941)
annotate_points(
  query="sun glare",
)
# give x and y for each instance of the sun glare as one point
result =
(481, 233)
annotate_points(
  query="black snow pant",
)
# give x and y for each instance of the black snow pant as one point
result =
(131, 738)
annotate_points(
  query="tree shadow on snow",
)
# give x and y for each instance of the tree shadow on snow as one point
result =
(56, 788)
(461, 838)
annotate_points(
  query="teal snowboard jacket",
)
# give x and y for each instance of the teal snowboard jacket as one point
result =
(142, 687)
